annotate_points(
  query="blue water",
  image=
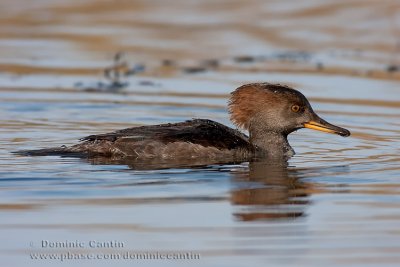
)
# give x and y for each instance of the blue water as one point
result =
(336, 203)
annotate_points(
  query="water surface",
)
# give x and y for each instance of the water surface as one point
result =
(337, 202)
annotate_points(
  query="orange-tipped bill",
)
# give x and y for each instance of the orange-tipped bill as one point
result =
(324, 126)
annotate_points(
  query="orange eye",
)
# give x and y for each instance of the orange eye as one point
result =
(295, 108)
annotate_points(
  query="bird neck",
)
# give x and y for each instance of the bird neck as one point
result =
(271, 144)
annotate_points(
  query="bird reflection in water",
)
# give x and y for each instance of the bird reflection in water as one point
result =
(266, 190)
(275, 192)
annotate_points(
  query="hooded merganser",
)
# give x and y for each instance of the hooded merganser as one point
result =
(269, 112)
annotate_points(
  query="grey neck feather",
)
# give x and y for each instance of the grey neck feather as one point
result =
(271, 144)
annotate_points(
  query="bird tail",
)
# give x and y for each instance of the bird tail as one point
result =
(53, 151)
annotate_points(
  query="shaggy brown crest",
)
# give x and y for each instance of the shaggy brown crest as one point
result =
(249, 99)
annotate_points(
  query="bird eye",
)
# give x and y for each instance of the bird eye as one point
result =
(295, 108)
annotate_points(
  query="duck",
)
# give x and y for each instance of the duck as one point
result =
(268, 112)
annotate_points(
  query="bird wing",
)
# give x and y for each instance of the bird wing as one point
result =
(197, 131)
